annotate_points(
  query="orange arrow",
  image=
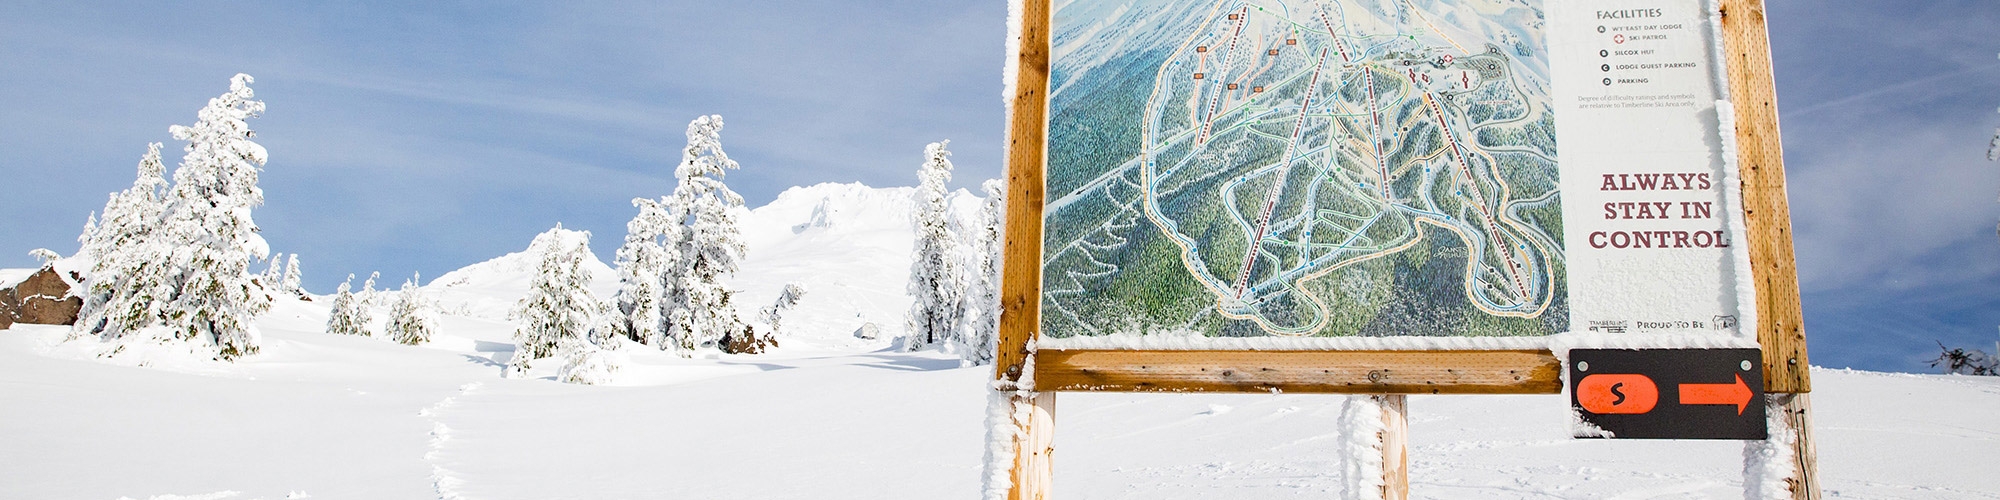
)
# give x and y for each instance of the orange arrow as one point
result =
(1717, 394)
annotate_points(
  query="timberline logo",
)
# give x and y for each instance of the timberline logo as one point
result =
(1610, 326)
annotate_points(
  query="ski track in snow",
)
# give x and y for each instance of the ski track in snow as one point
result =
(443, 480)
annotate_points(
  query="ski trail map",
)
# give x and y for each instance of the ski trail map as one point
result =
(1302, 168)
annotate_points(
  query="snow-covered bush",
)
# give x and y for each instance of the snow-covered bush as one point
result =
(181, 261)
(560, 313)
(1964, 361)
(349, 315)
(937, 277)
(412, 318)
(697, 309)
(589, 365)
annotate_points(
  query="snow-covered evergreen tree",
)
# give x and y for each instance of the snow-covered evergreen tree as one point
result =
(650, 253)
(560, 313)
(412, 318)
(711, 245)
(982, 327)
(366, 300)
(273, 273)
(190, 274)
(290, 282)
(349, 316)
(773, 315)
(937, 276)
(121, 246)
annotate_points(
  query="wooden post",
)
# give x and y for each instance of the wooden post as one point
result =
(1760, 158)
(1021, 280)
(1804, 482)
(1395, 446)
(1034, 446)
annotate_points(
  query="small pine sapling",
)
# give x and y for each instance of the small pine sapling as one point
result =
(273, 273)
(46, 256)
(348, 316)
(560, 312)
(290, 281)
(412, 318)
(773, 315)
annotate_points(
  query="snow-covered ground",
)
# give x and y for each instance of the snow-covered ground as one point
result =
(828, 415)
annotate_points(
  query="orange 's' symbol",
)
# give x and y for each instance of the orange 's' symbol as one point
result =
(1617, 393)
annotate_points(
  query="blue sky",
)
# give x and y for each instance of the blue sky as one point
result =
(429, 136)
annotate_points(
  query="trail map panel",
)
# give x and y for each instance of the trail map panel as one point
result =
(1302, 168)
(1359, 168)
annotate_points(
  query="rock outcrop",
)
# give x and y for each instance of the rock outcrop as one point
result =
(42, 299)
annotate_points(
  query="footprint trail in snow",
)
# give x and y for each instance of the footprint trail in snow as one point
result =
(442, 479)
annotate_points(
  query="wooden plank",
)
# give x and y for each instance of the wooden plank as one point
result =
(1395, 446)
(1760, 159)
(1021, 266)
(1330, 372)
(1034, 447)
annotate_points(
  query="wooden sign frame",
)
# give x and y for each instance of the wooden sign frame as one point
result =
(1391, 374)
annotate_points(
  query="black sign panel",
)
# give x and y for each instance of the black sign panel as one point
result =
(1669, 393)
